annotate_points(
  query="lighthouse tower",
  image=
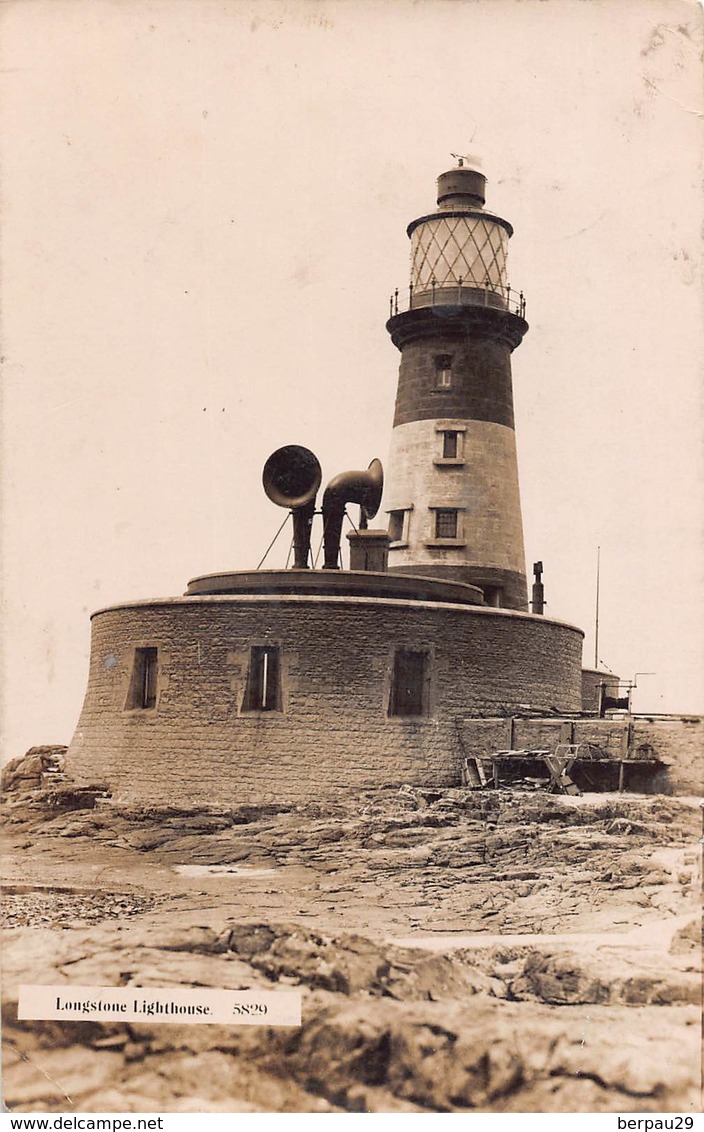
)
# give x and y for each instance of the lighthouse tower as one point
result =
(453, 497)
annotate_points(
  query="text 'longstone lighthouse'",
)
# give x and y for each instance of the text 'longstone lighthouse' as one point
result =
(453, 495)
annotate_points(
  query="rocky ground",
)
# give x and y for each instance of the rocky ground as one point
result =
(457, 950)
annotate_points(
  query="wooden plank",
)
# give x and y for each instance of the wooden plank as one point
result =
(470, 778)
(581, 758)
(483, 776)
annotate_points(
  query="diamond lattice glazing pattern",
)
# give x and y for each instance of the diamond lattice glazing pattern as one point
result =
(458, 249)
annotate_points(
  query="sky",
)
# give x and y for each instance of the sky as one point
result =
(204, 206)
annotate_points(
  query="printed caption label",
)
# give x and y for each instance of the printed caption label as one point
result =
(156, 1004)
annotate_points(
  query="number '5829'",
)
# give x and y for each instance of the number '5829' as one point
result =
(249, 1008)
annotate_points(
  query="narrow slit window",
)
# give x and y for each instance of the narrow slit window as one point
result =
(450, 446)
(445, 523)
(263, 691)
(409, 689)
(143, 687)
(443, 371)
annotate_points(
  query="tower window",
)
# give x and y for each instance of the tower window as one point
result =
(493, 596)
(450, 445)
(409, 688)
(451, 436)
(398, 525)
(263, 691)
(143, 685)
(443, 371)
(445, 523)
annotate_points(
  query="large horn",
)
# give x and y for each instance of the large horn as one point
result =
(291, 478)
(364, 488)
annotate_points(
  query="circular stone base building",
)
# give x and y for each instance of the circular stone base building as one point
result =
(293, 684)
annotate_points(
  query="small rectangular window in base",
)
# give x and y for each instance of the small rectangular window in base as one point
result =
(409, 688)
(263, 691)
(143, 685)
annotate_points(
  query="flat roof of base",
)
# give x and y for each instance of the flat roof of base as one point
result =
(326, 599)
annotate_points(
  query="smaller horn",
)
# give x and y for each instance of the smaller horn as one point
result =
(291, 478)
(373, 489)
(364, 488)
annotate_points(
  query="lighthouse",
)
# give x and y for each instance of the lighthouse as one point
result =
(304, 682)
(453, 495)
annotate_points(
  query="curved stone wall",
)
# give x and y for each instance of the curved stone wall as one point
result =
(591, 679)
(332, 728)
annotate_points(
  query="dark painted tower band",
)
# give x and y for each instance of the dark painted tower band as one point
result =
(453, 495)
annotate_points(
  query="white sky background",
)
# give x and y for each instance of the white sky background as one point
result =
(205, 206)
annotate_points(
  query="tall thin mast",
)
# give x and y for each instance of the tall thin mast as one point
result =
(596, 618)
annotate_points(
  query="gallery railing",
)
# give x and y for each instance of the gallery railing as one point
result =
(459, 294)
